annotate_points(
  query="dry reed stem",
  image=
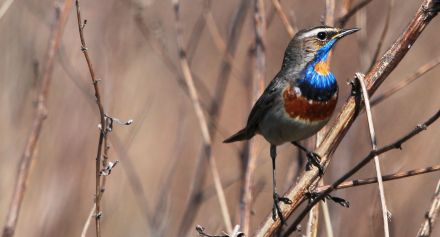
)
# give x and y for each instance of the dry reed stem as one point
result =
(404, 83)
(28, 155)
(200, 116)
(195, 192)
(385, 212)
(329, 12)
(398, 175)
(280, 12)
(257, 88)
(431, 216)
(313, 222)
(349, 112)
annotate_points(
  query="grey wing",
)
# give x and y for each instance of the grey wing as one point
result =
(265, 102)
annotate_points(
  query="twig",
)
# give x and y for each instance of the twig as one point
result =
(431, 216)
(88, 220)
(351, 109)
(118, 146)
(279, 10)
(395, 145)
(327, 219)
(192, 207)
(235, 232)
(28, 155)
(343, 19)
(384, 33)
(200, 116)
(385, 212)
(404, 83)
(398, 175)
(105, 126)
(313, 222)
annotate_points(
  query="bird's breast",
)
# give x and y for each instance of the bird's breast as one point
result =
(298, 107)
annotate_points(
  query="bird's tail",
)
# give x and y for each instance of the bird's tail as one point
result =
(241, 135)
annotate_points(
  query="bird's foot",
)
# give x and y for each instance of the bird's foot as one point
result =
(315, 160)
(276, 210)
(311, 196)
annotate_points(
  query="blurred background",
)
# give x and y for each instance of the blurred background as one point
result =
(132, 45)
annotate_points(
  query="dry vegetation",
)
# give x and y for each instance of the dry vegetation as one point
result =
(187, 73)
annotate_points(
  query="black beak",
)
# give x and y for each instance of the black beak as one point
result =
(346, 32)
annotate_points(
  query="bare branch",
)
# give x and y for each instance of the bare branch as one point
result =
(28, 155)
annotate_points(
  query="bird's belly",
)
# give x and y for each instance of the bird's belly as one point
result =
(277, 128)
(296, 118)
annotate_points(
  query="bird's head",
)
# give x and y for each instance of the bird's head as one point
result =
(313, 46)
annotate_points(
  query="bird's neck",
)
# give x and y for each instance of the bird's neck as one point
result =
(317, 82)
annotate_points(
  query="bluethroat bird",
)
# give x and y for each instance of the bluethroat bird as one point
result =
(299, 101)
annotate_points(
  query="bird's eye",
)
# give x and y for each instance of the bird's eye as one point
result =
(321, 35)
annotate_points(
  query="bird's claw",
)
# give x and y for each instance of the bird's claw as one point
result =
(276, 210)
(311, 196)
(315, 160)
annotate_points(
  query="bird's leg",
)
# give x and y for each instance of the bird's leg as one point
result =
(276, 210)
(312, 157)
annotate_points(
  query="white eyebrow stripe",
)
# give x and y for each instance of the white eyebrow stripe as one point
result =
(315, 32)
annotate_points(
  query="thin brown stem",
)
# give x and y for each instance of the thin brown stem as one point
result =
(372, 180)
(350, 110)
(28, 155)
(373, 139)
(103, 121)
(280, 12)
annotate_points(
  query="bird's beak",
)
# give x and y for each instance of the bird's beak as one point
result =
(345, 32)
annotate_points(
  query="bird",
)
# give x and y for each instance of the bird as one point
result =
(299, 101)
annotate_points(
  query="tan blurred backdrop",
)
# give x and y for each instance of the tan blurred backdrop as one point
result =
(137, 84)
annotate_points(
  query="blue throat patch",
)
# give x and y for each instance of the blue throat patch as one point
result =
(317, 86)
